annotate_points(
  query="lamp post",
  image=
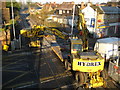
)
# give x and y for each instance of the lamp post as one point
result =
(13, 43)
(13, 20)
(73, 19)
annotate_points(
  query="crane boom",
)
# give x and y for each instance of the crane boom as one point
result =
(82, 26)
(40, 31)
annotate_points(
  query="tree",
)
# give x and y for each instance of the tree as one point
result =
(16, 7)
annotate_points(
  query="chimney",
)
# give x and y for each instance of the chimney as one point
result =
(88, 4)
(82, 5)
(97, 4)
(3, 4)
(72, 2)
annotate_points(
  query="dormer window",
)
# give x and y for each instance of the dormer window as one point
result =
(63, 11)
(60, 11)
(67, 11)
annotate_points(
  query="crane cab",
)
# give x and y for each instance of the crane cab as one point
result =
(76, 45)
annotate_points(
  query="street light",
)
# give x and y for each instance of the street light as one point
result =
(13, 20)
(73, 19)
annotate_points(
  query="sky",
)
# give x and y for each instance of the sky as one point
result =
(60, 1)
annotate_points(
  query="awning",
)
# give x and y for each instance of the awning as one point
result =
(102, 26)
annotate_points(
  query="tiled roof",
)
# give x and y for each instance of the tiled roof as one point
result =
(109, 10)
(52, 5)
(66, 6)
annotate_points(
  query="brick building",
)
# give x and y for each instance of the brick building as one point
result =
(65, 9)
(100, 15)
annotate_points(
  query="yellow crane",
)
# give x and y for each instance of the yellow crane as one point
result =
(87, 65)
(38, 31)
(41, 31)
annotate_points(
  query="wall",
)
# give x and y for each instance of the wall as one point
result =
(90, 18)
(111, 18)
(100, 19)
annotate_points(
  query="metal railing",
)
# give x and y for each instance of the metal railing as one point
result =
(114, 71)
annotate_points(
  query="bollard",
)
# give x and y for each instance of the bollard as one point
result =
(5, 47)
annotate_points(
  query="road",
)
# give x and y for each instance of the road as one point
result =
(23, 21)
(19, 69)
(52, 71)
(34, 67)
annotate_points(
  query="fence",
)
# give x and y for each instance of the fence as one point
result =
(114, 71)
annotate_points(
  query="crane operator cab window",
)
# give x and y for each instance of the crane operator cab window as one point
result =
(76, 45)
(76, 48)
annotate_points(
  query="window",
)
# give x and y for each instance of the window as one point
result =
(77, 47)
(119, 48)
(111, 30)
(63, 11)
(60, 11)
(67, 11)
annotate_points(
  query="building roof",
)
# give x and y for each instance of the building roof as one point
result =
(66, 6)
(47, 6)
(106, 9)
(38, 8)
(110, 10)
(97, 8)
(51, 5)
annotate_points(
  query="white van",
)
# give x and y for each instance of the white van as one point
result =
(108, 47)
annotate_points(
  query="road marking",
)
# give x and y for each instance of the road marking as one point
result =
(15, 78)
(58, 76)
(66, 86)
(21, 85)
(16, 67)
(27, 86)
(19, 55)
(13, 63)
(13, 71)
(43, 64)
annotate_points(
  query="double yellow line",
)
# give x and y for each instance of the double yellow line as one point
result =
(46, 79)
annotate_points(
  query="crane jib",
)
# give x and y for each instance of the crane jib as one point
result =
(89, 63)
